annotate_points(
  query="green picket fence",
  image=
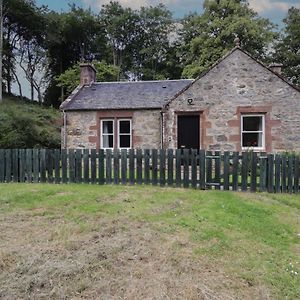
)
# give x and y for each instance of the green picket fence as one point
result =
(181, 168)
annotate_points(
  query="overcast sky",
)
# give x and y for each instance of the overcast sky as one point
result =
(275, 10)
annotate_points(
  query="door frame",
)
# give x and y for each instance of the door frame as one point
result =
(189, 113)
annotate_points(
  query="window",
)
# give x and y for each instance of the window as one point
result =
(124, 134)
(253, 132)
(116, 133)
(107, 134)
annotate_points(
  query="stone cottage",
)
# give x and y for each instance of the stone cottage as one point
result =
(238, 104)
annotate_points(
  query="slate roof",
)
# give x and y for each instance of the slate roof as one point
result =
(124, 95)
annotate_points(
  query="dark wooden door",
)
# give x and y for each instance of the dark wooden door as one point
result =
(188, 132)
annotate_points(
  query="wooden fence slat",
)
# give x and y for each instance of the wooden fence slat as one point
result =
(253, 182)
(57, 160)
(277, 173)
(139, 166)
(22, 165)
(116, 166)
(263, 172)
(29, 165)
(283, 173)
(178, 167)
(297, 174)
(131, 167)
(202, 163)
(108, 159)
(154, 166)
(290, 173)
(244, 171)
(64, 165)
(8, 165)
(270, 173)
(186, 160)
(194, 167)
(36, 165)
(78, 165)
(86, 165)
(217, 169)
(43, 165)
(208, 169)
(170, 155)
(162, 167)
(124, 166)
(101, 166)
(15, 164)
(49, 164)
(226, 170)
(93, 166)
(72, 166)
(2, 165)
(235, 171)
(147, 166)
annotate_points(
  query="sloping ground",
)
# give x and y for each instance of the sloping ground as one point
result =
(110, 242)
(24, 124)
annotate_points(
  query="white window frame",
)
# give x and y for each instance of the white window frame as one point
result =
(263, 131)
(102, 133)
(130, 133)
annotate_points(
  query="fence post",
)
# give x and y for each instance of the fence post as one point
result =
(178, 167)
(2, 165)
(64, 165)
(202, 161)
(253, 183)
(170, 168)
(277, 173)
(93, 166)
(131, 166)
(36, 165)
(235, 169)
(116, 166)
(101, 167)
(217, 178)
(244, 171)
(162, 167)
(270, 173)
(8, 165)
(139, 166)
(297, 174)
(108, 158)
(226, 170)
(29, 165)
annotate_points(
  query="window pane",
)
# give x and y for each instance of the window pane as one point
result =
(125, 126)
(252, 140)
(124, 141)
(108, 141)
(107, 127)
(252, 123)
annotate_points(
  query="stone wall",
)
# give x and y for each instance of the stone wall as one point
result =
(235, 86)
(83, 127)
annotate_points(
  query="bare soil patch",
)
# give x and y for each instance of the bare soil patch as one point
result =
(43, 257)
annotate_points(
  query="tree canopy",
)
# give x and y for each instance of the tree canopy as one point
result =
(144, 44)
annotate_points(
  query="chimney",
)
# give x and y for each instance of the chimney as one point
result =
(87, 74)
(275, 67)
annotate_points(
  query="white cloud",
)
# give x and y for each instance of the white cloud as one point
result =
(268, 5)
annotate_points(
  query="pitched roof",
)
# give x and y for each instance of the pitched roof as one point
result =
(217, 63)
(124, 95)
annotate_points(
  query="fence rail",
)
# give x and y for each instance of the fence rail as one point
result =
(200, 169)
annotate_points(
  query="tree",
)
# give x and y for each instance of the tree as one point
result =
(22, 20)
(70, 36)
(70, 79)
(206, 37)
(121, 27)
(288, 48)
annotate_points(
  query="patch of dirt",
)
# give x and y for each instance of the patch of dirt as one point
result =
(42, 258)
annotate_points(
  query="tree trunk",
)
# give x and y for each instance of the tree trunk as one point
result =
(19, 85)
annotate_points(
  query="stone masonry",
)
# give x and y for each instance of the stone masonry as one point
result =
(83, 127)
(237, 85)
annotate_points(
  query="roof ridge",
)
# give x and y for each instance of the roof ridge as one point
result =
(141, 81)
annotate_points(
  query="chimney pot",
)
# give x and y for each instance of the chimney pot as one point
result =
(87, 74)
(276, 67)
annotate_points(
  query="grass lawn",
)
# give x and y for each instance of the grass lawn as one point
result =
(124, 242)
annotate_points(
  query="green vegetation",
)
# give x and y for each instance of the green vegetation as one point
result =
(24, 124)
(253, 238)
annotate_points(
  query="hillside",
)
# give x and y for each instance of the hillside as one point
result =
(24, 124)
